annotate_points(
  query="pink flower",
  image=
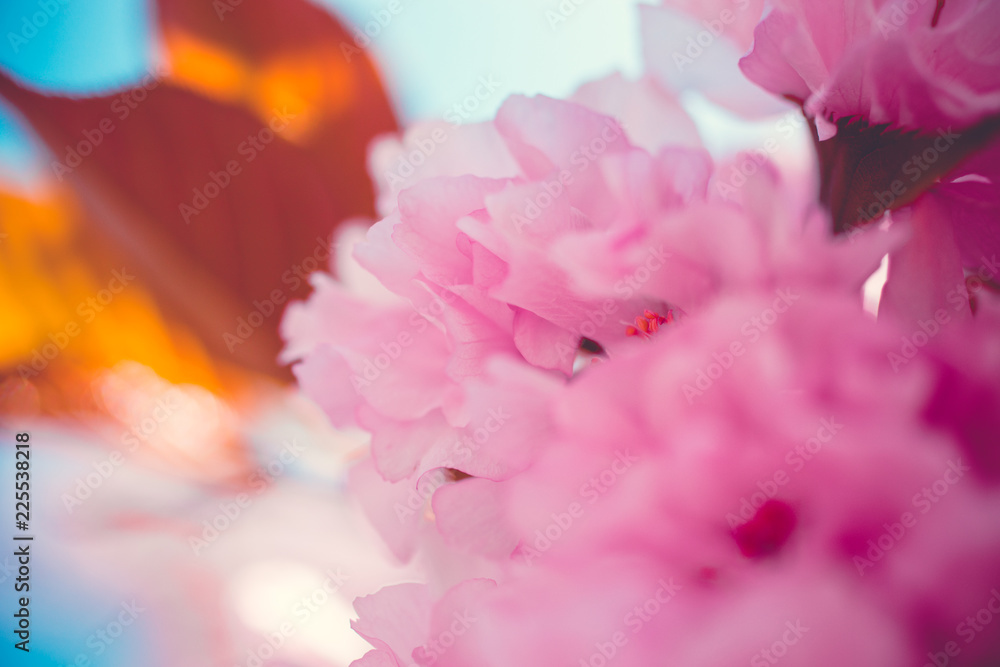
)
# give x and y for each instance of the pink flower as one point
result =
(408, 626)
(912, 65)
(966, 399)
(514, 275)
(763, 476)
(902, 94)
(425, 506)
(470, 274)
(467, 277)
(691, 45)
(746, 454)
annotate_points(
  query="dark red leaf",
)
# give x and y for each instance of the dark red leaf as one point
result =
(151, 163)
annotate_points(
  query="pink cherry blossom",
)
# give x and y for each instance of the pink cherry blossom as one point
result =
(783, 491)
(915, 65)
(471, 276)
(625, 408)
(902, 95)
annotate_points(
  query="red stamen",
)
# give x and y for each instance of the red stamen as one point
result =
(648, 323)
